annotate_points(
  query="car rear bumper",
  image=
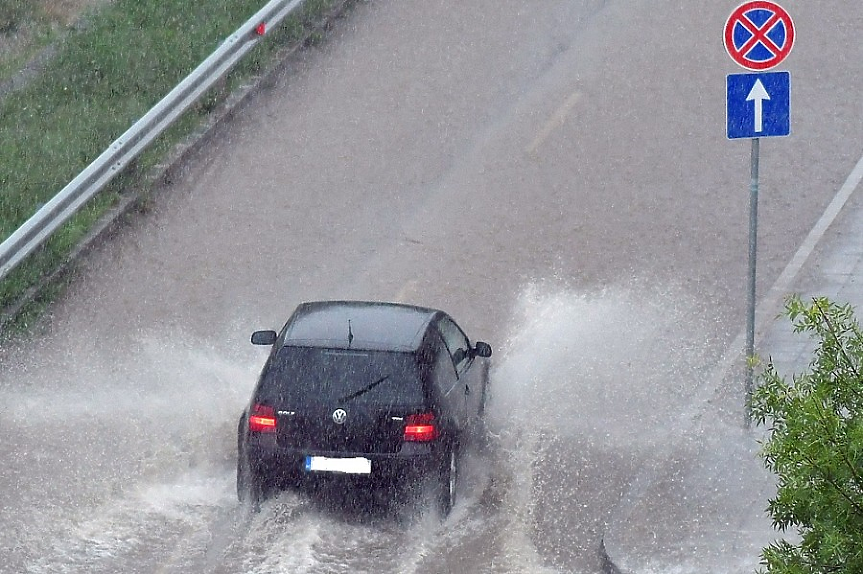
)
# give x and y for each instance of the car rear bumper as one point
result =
(414, 460)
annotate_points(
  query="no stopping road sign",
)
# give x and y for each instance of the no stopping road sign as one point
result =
(759, 34)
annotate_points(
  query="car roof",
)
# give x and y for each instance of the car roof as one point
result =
(373, 325)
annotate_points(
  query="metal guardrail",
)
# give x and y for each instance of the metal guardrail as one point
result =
(128, 146)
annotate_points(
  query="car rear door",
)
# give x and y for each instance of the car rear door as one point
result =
(449, 390)
(469, 377)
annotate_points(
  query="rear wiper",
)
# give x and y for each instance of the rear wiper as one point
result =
(363, 390)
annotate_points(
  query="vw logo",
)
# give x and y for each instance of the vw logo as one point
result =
(340, 416)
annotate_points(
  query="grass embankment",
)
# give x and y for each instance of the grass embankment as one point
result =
(100, 81)
(27, 26)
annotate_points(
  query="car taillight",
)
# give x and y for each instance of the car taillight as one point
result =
(262, 419)
(420, 428)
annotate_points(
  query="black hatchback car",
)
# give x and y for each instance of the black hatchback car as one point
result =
(381, 391)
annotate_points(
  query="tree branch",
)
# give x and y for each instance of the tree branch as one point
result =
(832, 330)
(822, 418)
(854, 504)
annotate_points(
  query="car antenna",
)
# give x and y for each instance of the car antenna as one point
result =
(350, 334)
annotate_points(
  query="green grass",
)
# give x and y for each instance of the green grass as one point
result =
(100, 82)
(26, 28)
(13, 13)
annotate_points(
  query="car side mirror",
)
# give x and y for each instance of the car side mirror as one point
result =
(263, 337)
(482, 349)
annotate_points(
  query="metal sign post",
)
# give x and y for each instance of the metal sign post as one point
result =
(758, 35)
(753, 252)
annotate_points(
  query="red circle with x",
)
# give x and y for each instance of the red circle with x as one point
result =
(759, 35)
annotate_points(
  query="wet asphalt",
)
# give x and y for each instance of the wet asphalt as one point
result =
(554, 174)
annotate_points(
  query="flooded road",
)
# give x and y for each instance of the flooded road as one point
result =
(537, 169)
(129, 465)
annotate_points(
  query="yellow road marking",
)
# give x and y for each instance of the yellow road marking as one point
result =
(556, 120)
(407, 289)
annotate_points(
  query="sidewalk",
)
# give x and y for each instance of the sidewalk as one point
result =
(701, 508)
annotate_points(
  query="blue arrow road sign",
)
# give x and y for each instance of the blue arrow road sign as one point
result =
(759, 105)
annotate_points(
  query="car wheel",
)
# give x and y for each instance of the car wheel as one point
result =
(250, 487)
(448, 485)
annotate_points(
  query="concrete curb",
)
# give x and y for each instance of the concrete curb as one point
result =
(131, 201)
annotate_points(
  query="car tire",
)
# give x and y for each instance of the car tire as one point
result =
(448, 480)
(250, 486)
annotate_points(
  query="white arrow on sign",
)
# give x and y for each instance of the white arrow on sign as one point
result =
(758, 94)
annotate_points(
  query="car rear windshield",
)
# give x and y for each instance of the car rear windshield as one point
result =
(303, 375)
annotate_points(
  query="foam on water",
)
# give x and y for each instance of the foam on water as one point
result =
(597, 375)
(616, 363)
(117, 454)
(147, 520)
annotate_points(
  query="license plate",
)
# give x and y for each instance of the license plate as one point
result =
(357, 465)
